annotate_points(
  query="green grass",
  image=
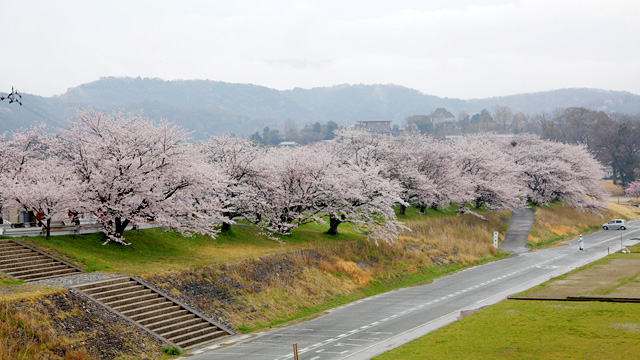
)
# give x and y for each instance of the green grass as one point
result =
(153, 250)
(534, 330)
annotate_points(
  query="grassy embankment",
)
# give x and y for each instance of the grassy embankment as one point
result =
(341, 269)
(515, 329)
(255, 294)
(559, 222)
(347, 267)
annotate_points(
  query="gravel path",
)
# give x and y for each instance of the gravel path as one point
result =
(76, 279)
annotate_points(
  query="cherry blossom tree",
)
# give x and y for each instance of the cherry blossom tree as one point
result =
(633, 189)
(403, 165)
(239, 160)
(435, 161)
(16, 149)
(364, 186)
(131, 169)
(43, 187)
(555, 171)
(290, 192)
(490, 171)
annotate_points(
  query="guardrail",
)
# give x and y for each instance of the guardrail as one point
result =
(60, 229)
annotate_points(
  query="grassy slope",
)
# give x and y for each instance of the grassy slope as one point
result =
(558, 222)
(155, 251)
(440, 242)
(258, 293)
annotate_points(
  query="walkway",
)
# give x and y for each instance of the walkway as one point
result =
(519, 227)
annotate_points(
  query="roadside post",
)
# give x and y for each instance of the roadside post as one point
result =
(495, 239)
(295, 351)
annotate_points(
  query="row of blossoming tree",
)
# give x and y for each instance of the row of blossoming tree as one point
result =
(118, 169)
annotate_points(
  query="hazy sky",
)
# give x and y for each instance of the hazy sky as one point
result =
(461, 49)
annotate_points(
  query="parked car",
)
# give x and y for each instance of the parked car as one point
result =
(620, 224)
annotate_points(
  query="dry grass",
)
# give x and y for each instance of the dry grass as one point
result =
(265, 291)
(28, 335)
(461, 239)
(25, 292)
(557, 222)
(61, 325)
(614, 190)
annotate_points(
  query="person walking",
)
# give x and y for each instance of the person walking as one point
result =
(581, 242)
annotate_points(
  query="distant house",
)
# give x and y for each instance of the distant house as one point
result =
(442, 116)
(440, 119)
(375, 125)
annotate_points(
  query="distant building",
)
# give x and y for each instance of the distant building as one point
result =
(375, 125)
(288, 144)
(442, 116)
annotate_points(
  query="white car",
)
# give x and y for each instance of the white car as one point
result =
(620, 224)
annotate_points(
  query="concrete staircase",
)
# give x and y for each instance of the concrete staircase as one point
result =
(21, 262)
(154, 312)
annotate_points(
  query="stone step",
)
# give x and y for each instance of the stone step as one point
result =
(182, 327)
(118, 304)
(116, 289)
(160, 316)
(192, 334)
(168, 319)
(151, 305)
(15, 250)
(8, 246)
(199, 340)
(156, 313)
(139, 290)
(110, 284)
(26, 265)
(48, 274)
(17, 255)
(26, 258)
(54, 266)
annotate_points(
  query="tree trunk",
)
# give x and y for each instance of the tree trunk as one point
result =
(48, 228)
(226, 227)
(333, 225)
(120, 226)
(423, 208)
(403, 209)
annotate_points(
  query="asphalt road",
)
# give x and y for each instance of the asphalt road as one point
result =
(369, 327)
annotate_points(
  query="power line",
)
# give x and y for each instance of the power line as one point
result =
(47, 115)
(15, 96)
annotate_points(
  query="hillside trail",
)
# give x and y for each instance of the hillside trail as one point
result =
(515, 240)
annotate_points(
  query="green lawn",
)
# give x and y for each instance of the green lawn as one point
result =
(545, 330)
(516, 329)
(153, 250)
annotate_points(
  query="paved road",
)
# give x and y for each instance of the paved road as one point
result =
(519, 228)
(369, 327)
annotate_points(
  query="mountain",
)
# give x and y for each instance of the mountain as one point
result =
(213, 107)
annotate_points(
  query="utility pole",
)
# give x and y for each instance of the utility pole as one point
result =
(13, 96)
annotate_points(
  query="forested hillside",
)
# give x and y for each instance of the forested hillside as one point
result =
(213, 107)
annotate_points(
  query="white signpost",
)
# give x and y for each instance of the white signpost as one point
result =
(495, 239)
